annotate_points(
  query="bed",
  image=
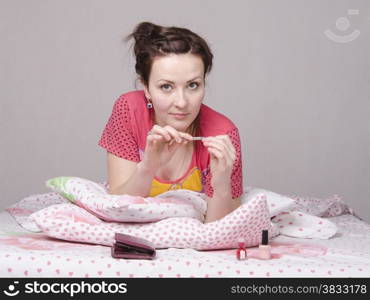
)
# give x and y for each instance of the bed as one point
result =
(33, 254)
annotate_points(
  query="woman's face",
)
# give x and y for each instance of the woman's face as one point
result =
(176, 89)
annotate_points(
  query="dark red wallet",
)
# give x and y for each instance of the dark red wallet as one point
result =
(132, 247)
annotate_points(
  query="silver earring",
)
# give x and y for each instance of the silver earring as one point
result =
(149, 105)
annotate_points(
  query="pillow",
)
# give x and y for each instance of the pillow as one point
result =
(301, 225)
(72, 223)
(276, 203)
(125, 208)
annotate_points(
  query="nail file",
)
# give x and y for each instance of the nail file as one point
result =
(194, 138)
(197, 138)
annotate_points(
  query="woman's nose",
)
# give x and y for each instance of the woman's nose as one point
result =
(180, 100)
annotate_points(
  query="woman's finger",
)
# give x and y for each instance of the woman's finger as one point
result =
(231, 145)
(168, 132)
(224, 159)
(185, 135)
(218, 154)
(171, 134)
(160, 131)
(174, 133)
(222, 147)
(155, 137)
(227, 141)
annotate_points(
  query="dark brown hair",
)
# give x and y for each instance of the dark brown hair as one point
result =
(153, 40)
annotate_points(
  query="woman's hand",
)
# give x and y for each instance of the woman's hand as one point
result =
(161, 144)
(223, 156)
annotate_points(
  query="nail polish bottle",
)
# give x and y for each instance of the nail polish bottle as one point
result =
(241, 253)
(264, 248)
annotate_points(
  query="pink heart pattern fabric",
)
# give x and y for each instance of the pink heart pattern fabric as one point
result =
(73, 223)
(301, 225)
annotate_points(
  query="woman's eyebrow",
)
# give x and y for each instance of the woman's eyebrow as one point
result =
(173, 82)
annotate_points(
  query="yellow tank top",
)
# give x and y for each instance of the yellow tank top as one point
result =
(192, 180)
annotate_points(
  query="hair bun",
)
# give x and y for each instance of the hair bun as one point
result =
(145, 30)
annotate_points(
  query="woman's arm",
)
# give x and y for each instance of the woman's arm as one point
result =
(223, 158)
(127, 177)
(221, 204)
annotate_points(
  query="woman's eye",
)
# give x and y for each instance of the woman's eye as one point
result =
(193, 86)
(196, 85)
(165, 85)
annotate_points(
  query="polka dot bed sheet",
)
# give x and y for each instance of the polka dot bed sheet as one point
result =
(27, 253)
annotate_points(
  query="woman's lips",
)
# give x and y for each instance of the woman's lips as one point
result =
(179, 116)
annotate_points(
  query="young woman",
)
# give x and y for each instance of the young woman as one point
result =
(149, 135)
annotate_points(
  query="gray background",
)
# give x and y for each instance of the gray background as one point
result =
(300, 99)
